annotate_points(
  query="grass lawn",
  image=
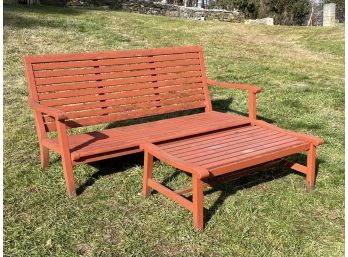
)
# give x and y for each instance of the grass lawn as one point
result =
(301, 72)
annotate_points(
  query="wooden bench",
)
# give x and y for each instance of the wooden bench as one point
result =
(68, 91)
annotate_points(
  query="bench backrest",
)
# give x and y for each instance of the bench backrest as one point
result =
(95, 88)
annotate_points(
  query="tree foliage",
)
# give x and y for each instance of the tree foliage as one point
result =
(284, 12)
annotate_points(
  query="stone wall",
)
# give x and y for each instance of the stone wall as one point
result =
(158, 8)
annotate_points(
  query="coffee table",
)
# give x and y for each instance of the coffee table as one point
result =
(217, 153)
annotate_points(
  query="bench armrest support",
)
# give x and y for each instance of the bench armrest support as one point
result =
(174, 161)
(252, 91)
(55, 113)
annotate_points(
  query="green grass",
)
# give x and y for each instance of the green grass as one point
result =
(301, 72)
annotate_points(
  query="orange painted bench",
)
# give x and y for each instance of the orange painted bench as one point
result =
(68, 91)
(221, 152)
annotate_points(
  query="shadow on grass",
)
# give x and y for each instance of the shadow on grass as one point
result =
(230, 188)
(109, 167)
(17, 17)
(39, 9)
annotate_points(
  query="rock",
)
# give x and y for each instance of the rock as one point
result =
(265, 21)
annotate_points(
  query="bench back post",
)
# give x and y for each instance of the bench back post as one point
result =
(39, 122)
(208, 106)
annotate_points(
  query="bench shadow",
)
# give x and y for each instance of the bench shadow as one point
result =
(110, 167)
(230, 188)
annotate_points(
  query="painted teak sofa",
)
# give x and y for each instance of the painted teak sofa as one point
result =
(68, 91)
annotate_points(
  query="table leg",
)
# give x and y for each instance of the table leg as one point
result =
(197, 199)
(310, 177)
(148, 164)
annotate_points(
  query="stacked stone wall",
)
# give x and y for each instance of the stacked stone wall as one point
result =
(158, 8)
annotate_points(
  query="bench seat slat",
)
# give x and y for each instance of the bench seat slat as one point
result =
(127, 137)
(221, 143)
(232, 146)
(238, 148)
(206, 139)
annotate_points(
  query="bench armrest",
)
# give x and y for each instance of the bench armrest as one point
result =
(55, 113)
(253, 89)
(312, 139)
(174, 161)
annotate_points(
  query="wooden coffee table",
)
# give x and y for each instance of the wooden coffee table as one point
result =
(218, 153)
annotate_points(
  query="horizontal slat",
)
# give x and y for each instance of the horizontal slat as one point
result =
(114, 139)
(131, 115)
(237, 146)
(118, 68)
(112, 54)
(164, 128)
(219, 144)
(93, 98)
(108, 103)
(161, 80)
(171, 194)
(155, 131)
(258, 149)
(125, 74)
(111, 62)
(132, 107)
(103, 90)
(183, 144)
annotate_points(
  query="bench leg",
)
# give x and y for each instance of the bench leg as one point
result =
(68, 175)
(197, 200)
(44, 156)
(310, 176)
(148, 164)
